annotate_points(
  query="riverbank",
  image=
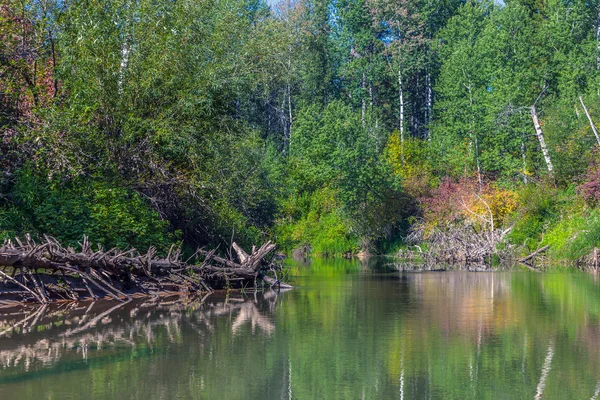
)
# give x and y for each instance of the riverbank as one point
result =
(459, 221)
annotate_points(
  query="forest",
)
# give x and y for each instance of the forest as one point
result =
(331, 127)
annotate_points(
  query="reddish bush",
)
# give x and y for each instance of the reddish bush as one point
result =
(445, 202)
(589, 189)
(465, 200)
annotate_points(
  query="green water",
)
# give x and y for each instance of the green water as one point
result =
(348, 331)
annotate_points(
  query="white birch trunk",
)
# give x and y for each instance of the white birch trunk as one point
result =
(123, 66)
(289, 91)
(598, 40)
(474, 139)
(284, 123)
(364, 103)
(414, 116)
(589, 117)
(370, 104)
(540, 136)
(479, 179)
(524, 158)
(290, 121)
(401, 96)
(428, 105)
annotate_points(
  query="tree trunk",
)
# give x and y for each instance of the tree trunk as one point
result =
(524, 158)
(540, 136)
(475, 140)
(428, 105)
(123, 66)
(414, 115)
(284, 123)
(401, 96)
(288, 122)
(587, 114)
(289, 90)
(598, 39)
(291, 120)
(479, 179)
(370, 104)
(364, 102)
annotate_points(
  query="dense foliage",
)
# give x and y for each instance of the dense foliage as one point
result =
(328, 125)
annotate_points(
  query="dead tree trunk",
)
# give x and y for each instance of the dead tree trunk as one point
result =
(530, 259)
(540, 135)
(589, 117)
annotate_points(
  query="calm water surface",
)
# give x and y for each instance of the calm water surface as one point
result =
(349, 331)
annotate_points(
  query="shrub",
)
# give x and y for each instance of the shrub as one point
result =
(569, 237)
(110, 215)
(315, 221)
(537, 212)
(589, 189)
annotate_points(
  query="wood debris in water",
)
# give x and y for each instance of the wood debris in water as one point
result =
(47, 271)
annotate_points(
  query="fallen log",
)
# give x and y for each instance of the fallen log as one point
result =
(532, 256)
(120, 274)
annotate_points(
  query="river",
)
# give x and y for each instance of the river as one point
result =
(350, 330)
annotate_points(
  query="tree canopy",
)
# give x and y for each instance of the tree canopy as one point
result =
(151, 122)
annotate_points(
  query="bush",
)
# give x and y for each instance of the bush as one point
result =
(110, 215)
(539, 209)
(573, 236)
(589, 189)
(315, 221)
(466, 200)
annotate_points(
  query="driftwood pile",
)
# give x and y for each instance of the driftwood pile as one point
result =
(47, 271)
(591, 262)
(459, 244)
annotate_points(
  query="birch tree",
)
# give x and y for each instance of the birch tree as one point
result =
(401, 26)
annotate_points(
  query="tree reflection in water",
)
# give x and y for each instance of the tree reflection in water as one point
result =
(345, 332)
(42, 335)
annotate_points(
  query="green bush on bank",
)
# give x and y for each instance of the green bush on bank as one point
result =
(110, 215)
(537, 211)
(314, 221)
(557, 218)
(575, 235)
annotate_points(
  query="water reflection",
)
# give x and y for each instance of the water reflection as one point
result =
(40, 336)
(350, 330)
(531, 335)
